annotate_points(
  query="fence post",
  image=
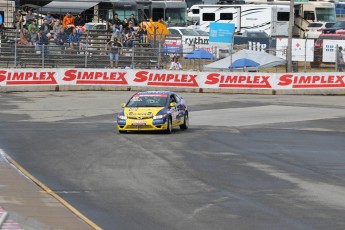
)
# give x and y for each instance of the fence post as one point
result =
(133, 65)
(42, 52)
(159, 54)
(86, 48)
(336, 57)
(15, 50)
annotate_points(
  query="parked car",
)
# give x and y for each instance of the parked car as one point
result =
(182, 31)
(315, 29)
(339, 25)
(254, 34)
(318, 47)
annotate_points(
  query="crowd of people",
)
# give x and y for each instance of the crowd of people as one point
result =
(64, 33)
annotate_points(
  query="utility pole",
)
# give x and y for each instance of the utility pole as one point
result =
(289, 47)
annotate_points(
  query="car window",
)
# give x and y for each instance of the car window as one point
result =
(174, 32)
(177, 98)
(189, 32)
(148, 100)
(203, 33)
(313, 25)
(329, 24)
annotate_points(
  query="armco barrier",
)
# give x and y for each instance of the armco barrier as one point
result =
(188, 81)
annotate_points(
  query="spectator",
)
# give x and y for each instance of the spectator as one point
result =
(143, 34)
(114, 47)
(34, 26)
(115, 20)
(125, 23)
(62, 38)
(175, 64)
(161, 20)
(50, 19)
(42, 41)
(32, 36)
(340, 59)
(74, 40)
(117, 33)
(133, 20)
(24, 37)
(68, 20)
(129, 40)
(46, 28)
(29, 18)
(57, 28)
(129, 28)
(79, 21)
(19, 20)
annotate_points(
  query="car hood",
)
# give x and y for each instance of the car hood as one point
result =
(141, 112)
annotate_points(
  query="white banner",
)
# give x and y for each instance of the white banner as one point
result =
(300, 48)
(166, 78)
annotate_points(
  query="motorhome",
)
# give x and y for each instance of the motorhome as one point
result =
(273, 19)
(277, 19)
(7, 9)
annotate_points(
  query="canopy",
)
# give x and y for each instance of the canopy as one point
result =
(68, 6)
(243, 63)
(199, 54)
(264, 59)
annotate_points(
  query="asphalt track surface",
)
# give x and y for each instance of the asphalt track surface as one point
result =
(246, 162)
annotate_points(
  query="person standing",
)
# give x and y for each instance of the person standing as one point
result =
(340, 59)
(175, 64)
(114, 47)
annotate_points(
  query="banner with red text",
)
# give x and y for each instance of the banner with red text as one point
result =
(166, 78)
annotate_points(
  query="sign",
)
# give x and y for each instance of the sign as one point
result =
(222, 32)
(166, 78)
(300, 49)
(329, 49)
(2, 18)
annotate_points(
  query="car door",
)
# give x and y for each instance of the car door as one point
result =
(173, 110)
(180, 109)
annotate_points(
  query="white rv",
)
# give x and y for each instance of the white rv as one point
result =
(7, 9)
(273, 19)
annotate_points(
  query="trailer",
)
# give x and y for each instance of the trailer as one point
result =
(273, 19)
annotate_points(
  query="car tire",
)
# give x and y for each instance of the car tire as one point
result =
(185, 124)
(122, 131)
(169, 127)
(314, 64)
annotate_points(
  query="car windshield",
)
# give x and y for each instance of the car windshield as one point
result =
(329, 24)
(148, 100)
(339, 24)
(313, 25)
(189, 32)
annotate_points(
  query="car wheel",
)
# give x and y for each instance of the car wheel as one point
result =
(122, 131)
(185, 124)
(314, 64)
(169, 127)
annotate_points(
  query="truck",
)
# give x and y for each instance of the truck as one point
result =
(273, 19)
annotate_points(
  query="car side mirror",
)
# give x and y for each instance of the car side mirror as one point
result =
(123, 105)
(172, 104)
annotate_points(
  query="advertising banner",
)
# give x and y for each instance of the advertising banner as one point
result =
(166, 78)
(301, 49)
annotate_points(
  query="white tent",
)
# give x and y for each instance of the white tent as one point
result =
(264, 59)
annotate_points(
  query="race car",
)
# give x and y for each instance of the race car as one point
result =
(153, 110)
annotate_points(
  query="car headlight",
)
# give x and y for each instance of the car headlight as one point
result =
(122, 117)
(160, 116)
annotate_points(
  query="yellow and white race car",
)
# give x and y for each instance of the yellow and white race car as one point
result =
(153, 110)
